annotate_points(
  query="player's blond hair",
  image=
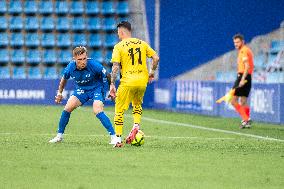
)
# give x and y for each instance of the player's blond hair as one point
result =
(79, 50)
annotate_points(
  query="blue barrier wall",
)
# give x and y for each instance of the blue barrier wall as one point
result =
(266, 101)
(195, 31)
(198, 97)
(29, 91)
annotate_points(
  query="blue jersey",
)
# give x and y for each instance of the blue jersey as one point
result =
(93, 76)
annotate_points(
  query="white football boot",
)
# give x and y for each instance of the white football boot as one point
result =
(58, 138)
(113, 139)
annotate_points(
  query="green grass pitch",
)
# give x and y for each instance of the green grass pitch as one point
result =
(180, 151)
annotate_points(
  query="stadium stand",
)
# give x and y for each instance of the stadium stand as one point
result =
(4, 72)
(48, 40)
(19, 72)
(49, 57)
(32, 40)
(3, 7)
(3, 23)
(62, 24)
(4, 40)
(16, 23)
(4, 54)
(92, 8)
(31, 23)
(33, 57)
(15, 7)
(31, 7)
(37, 36)
(34, 73)
(17, 40)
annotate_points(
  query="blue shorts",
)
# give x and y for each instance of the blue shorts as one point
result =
(86, 95)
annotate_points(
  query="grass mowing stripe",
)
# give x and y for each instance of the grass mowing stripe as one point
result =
(159, 137)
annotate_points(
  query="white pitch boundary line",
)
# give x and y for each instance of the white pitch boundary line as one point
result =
(94, 135)
(205, 128)
(211, 129)
(201, 127)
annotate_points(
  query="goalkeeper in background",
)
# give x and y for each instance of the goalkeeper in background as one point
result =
(90, 79)
(242, 84)
(129, 56)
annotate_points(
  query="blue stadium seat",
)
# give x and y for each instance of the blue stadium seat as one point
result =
(46, 7)
(92, 7)
(78, 24)
(271, 59)
(277, 46)
(61, 71)
(50, 73)
(19, 72)
(63, 24)
(109, 24)
(32, 23)
(4, 54)
(3, 23)
(15, 7)
(79, 40)
(94, 23)
(77, 8)
(32, 40)
(18, 56)
(108, 7)
(63, 40)
(49, 57)
(33, 56)
(17, 40)
(259, 60)
(4, 72)
(47, 23)
(97, 55)
(122, 8)
(31, 7)
(108, 56)
(61, 7)
(64, 57)
(4, 40)
(95, 40)
(48, 40)
(275, 77)
(34, 73)
(16, 23)
(110, 40)
(3, 7)
(226, 76)
(122, 18)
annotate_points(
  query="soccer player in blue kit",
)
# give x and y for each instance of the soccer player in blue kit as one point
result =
(91, 81)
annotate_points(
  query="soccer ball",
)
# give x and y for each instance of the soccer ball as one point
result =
(139, 139)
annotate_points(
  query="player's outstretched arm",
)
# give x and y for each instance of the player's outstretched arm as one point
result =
(61, 86)
(155, 61)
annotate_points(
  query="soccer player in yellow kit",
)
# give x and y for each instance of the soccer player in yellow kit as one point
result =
(130, 56)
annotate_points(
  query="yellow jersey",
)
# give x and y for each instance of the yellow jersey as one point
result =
(131, 54)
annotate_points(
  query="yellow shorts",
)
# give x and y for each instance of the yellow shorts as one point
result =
(127, 94)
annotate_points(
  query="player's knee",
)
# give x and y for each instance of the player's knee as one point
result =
(98, 107)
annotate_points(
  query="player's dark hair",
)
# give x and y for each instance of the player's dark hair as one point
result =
(239, 36)
(79, 50)
(124, 24)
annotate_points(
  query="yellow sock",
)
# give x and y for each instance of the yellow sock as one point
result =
(118, 123)
(137, 113)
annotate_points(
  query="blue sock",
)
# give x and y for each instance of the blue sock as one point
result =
(63, 121)
(106, 122)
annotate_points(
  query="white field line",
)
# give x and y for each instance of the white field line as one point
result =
(204, 128)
